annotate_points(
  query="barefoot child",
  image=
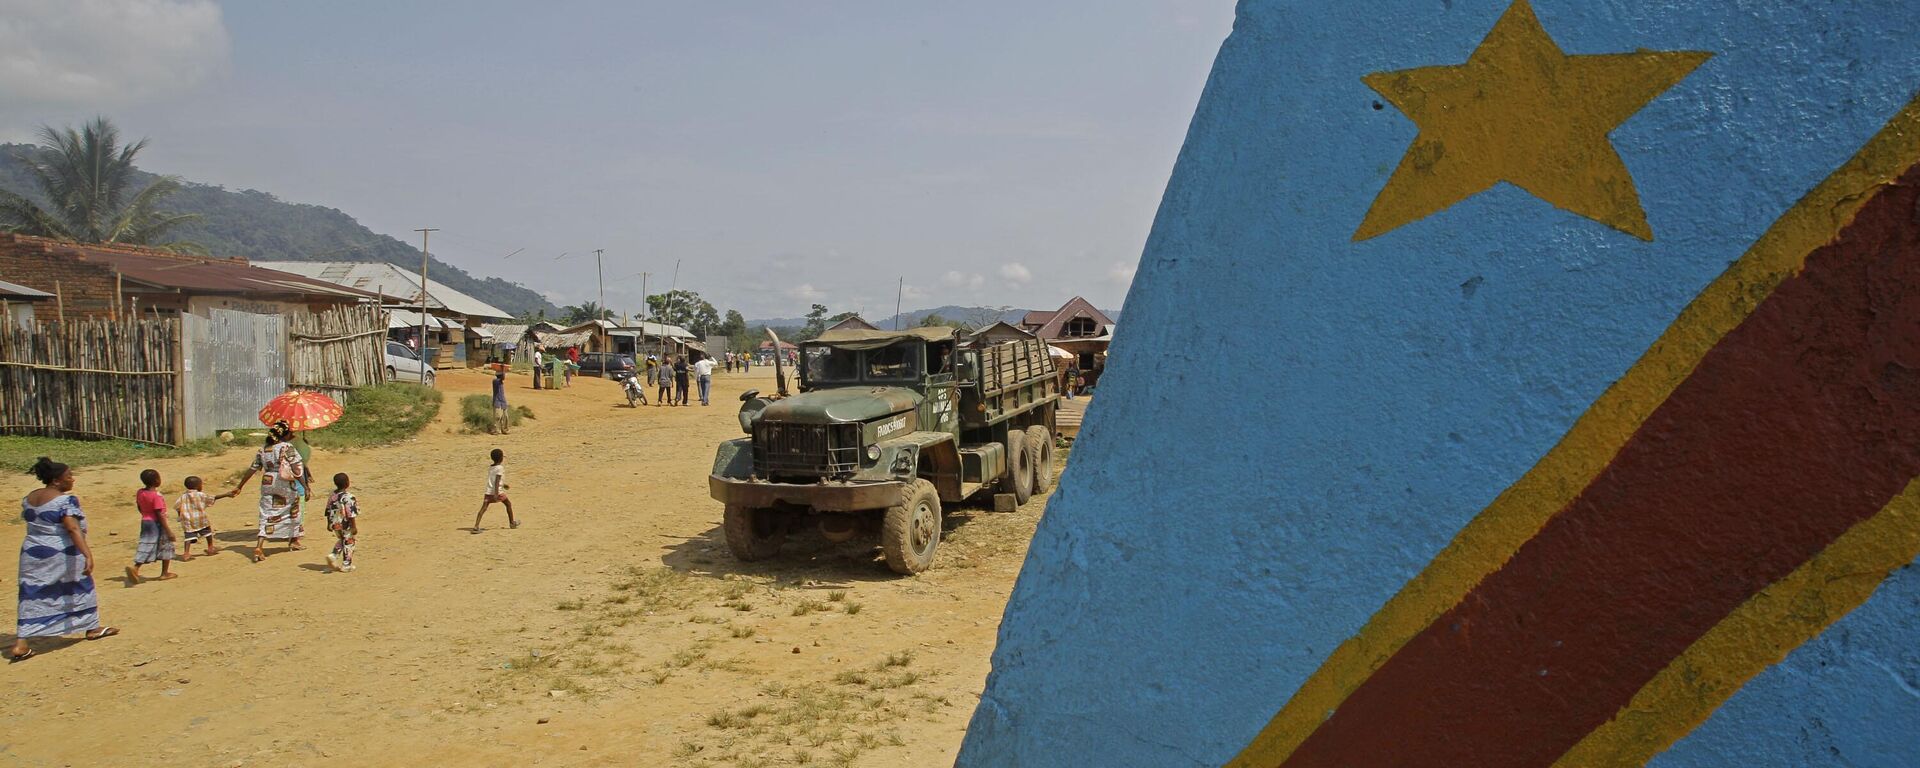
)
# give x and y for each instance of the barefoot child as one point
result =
(194, 523)
(343, 518)
(156, 535)
(496, 491)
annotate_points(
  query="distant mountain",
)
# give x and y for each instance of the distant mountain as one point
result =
(258, 226)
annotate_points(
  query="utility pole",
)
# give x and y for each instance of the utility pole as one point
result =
(601, 274)
(423, 301)
(666, 308)
(898, 293)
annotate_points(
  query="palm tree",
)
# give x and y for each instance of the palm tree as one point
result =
(87, 176)
(584, 311)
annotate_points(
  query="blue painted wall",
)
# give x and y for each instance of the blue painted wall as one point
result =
(1223, 526)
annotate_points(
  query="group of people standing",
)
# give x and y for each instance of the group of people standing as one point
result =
(674, 376)
(557, 367)
(739, 361)
(56, 561)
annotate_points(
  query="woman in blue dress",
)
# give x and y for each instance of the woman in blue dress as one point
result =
(56, 565)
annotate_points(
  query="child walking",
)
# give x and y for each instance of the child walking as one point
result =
(496, 491)
(194, 523)
(156, 535)
(343, 518)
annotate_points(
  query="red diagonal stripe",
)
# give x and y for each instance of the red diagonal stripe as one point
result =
(1802, 422)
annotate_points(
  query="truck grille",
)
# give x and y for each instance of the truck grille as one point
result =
(811, 450)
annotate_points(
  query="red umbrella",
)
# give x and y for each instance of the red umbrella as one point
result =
(301, 410)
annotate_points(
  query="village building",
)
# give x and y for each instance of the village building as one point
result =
(853, 323)
(219, 337)
(17, 301)
(455, 322)
(1000, 333)
(1079, 328)
(650, 338)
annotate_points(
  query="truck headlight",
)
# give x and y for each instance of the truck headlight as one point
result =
(873, 453)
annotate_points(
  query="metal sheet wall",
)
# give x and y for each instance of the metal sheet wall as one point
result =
(235, 363)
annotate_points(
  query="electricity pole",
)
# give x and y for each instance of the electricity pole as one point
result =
(601, 274)
(423, 301)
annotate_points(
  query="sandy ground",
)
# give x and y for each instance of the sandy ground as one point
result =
(612, 628)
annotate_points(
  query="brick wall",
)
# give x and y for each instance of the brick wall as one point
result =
(86, 288)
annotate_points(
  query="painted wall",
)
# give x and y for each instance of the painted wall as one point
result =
(1588, 433)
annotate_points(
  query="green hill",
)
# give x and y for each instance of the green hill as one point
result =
(259, 226)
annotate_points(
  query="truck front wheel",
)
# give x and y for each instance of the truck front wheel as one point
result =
(1019, 466)
(754, 533)
(911, 531)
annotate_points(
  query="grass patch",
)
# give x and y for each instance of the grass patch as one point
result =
(380, 415)
(18, 453)
(808, 606)
(476, 411)
(852, 608)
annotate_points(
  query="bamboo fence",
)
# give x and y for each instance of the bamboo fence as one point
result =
(338, 349)
(94, 377)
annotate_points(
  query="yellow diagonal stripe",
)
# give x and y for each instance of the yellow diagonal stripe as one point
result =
(1518, 513)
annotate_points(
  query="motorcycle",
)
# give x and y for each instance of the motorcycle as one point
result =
(636, 394)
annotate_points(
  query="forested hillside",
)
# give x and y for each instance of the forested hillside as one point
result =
(259, 226)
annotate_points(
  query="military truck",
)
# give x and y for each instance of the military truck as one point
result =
(888, 427)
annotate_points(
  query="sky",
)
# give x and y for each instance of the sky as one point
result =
(780, 153)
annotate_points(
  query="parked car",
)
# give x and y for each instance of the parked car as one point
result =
(404, 365)
(610, 365)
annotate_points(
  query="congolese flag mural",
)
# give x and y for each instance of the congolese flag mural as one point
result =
(1505, 383)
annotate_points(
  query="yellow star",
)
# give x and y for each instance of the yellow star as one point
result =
(1522, 111)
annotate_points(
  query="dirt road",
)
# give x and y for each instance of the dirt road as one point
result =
(612, 628)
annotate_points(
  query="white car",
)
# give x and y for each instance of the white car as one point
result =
(404, 365)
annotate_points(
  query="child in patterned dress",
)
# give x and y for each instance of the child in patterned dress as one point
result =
(343, 518)
(156, 536)
(191, 507)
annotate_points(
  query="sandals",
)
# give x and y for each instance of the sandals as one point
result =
(15, 659)
(102, 634)
(259, 554)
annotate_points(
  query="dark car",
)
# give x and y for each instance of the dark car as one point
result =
(607, 364)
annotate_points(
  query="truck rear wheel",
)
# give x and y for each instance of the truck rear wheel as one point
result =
(1019, 466)
(911, 531)
(753, 533)
(1040, 444)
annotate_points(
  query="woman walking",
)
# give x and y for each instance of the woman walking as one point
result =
(56, 564)
(280, 485)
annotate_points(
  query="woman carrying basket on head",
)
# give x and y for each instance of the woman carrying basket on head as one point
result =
(281, 477)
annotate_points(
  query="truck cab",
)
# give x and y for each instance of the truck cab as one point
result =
(887, 427)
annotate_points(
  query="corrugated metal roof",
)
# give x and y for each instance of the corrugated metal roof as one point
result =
(13, 291)
(381, 277)
(188, 273)
(657, 330)
(410, 318)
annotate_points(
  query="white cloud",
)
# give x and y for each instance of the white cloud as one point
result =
(963, 280)
(1121, 274)
(98, 54)
(911, 291)
(806, 292)
(1016, 273)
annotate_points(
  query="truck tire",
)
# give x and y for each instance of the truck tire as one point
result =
(1019, 467)
(911, 531)
(1040, 444)
(753, 533)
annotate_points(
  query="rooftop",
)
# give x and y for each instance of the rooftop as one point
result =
(391, 281)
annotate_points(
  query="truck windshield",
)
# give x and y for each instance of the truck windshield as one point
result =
(828, 365)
